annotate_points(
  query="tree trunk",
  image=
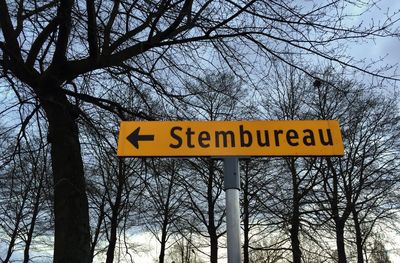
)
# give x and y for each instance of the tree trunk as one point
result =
(97, 228)
(72, 236)
(166, 219)
(340, 242)
(359, 239)
(212, 229)
(339, 221)
(294, 234)
(295, 218)
(161, 257)
(115, 214)
(164, 229)
(113, 234)
(214, 248)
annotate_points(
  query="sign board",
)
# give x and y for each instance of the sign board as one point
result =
(230, 138)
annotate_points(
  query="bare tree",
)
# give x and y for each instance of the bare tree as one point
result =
(115, 188)
(254, 179)
(49, 49)
(24, 199)
(358, 184)
(379, 254)
(163, 201)
(285, 99)
(215, 96)
(183, 250)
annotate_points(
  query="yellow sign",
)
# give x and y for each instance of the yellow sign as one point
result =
(230, 138)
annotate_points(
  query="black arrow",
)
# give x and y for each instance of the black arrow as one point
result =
(134, 138)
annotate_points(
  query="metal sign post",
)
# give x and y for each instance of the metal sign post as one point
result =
(232, 188)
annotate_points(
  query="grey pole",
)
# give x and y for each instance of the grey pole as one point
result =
(232, 188)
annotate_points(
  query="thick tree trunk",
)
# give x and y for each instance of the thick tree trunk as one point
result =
(72, 236)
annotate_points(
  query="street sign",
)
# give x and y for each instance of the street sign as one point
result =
(230, 138)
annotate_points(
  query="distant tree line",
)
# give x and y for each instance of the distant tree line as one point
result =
(294, 209)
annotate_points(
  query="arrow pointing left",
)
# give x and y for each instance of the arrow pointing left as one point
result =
(135, 137)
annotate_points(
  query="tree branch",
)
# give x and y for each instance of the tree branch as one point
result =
(92, 30)
(39, 41)
(108, 105)
(107, 29)
(65, 22)
(11, 42)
